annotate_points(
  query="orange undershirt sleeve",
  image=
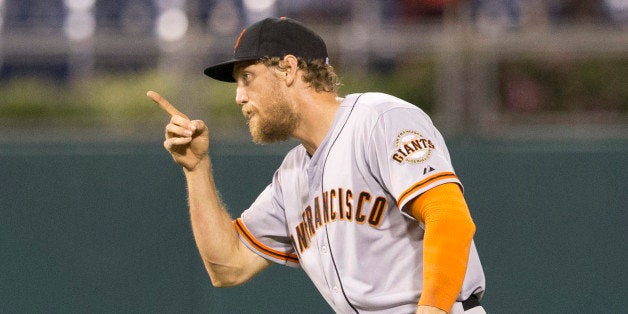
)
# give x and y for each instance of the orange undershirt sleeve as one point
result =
(447, 240)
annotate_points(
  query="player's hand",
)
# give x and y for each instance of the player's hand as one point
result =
(424, 309)
(186, 140)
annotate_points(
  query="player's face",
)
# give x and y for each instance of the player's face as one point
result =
(262, 97)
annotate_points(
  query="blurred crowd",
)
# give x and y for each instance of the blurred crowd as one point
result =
(79, 21)
(229, 16)
(557, 55)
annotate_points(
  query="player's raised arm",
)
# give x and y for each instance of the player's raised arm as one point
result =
(226, 259)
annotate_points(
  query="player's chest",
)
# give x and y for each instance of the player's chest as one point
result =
(338, 186)
(338, 194)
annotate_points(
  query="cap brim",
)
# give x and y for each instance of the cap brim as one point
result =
(222, 71)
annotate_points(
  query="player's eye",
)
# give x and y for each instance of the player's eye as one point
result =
(245, 77)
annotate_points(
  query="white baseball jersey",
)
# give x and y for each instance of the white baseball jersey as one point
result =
(340, 214)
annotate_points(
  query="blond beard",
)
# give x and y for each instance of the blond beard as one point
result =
(277, 124)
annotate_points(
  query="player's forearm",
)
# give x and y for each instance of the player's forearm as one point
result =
(215, 236)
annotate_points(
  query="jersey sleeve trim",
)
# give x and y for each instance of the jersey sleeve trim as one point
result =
(424, 185)
(270, 253)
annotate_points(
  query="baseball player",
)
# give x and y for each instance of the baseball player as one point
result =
(368, 204)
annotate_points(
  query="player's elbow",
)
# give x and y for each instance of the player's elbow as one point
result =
(219, 283)
(225, 280)
(469, 226)
(464, 224)
(223, 276)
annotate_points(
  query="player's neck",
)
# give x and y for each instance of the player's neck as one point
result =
(317, 112)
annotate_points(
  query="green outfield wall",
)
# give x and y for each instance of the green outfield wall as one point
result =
(93, 228)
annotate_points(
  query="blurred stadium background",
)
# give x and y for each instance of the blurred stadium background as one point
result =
(532, 96)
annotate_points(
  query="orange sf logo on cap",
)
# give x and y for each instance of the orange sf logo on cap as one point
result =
(238, 41)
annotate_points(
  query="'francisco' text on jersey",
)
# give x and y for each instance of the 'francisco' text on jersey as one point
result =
(338, 205)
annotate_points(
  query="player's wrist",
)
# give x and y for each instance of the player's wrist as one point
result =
(428, 309)
(201, 166)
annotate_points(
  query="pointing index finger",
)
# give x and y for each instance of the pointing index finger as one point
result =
(165, 104)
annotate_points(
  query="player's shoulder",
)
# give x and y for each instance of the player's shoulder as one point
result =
(295, 158)
(374, 106)
(380, 103)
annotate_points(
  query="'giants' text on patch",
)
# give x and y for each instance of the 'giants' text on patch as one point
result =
(412, 147)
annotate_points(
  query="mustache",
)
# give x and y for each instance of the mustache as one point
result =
(247, 111)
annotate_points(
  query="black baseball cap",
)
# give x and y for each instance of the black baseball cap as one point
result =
(271, 37)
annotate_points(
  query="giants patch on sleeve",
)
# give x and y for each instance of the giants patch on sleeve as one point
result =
(412, 147)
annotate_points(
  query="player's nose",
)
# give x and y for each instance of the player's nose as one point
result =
(241, 96)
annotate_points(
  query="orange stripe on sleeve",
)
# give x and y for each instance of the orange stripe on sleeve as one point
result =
(242, 230)
(419, 185)
(447, 241)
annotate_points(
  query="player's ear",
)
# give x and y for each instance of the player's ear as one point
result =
(291, 66)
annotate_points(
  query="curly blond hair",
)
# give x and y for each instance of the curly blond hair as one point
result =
(320, 75)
